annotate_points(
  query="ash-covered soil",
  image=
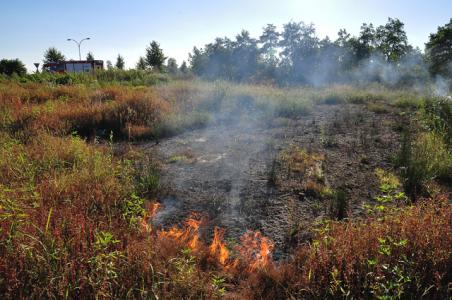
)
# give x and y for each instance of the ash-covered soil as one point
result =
(227, 170)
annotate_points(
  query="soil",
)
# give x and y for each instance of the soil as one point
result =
(226, 170)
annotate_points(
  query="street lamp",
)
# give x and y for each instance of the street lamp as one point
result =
(78, 44)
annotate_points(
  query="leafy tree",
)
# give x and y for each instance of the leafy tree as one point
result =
(109, 64)
(328, 67)
(391, 40)
(141, 64)
(300, 49)
(183, 68)
(172, 66)
(290, 39)
(11, 66)
(90, 56)
(345, 43)
(220, 61)
(245, 56)
(439, 50)
(198, 61)
(365, 42)
(53, 55)
(154, 56)
(269, 40)
(120, 62)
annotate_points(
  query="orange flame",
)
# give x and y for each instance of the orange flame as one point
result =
(189, 234)
(153, 209)
(193, 225)
(218, 248)
(148, 215)
(256, 249)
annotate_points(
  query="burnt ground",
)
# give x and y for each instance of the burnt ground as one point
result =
(227, 170)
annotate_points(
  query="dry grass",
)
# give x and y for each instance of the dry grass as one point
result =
(406, 254)
(74, 215)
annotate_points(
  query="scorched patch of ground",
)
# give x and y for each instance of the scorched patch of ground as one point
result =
(236, 174)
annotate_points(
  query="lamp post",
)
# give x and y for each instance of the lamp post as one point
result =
(78, 44)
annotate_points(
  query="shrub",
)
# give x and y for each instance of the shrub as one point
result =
(437, 113)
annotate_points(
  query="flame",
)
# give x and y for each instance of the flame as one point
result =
(218, 247)
(189, 233)
(148, 215)
(193, 225)
(256, 249)
(152, 211)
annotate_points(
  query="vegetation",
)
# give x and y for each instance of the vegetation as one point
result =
(154, 56)
(120, 62)
(53, 55)
(12, 66)
(141, 64)
(75, 214)
(90, 56)
(78, 201)
(379, 54)
(439, 50)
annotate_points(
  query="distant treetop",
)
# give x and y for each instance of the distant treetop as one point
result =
(53, 55)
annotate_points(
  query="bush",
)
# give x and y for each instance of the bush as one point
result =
(437, 116)
(12, 66)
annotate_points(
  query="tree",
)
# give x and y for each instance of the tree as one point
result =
(300, 49)
(90, 56)
(290, 39)
(11, 66)
(53, 55)
(439, 51)
(154, 56)
(218, 59)
(327, 69)
(141, 64)
(172, 66)
(245, 56)
(365, 42)
(269, 40)
(109, 64)
(198, 61)
(345, 43)
(183, 68)
(120, 62)
(391, 40)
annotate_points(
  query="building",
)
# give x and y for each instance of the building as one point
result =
(74, 66)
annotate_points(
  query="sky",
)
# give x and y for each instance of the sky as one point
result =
(29, 27)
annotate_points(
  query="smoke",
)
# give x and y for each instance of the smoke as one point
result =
(306, 60)
(440, 87)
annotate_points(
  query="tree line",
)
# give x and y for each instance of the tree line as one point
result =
(296, 55)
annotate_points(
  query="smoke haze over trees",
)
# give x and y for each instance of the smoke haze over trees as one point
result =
(296, 55)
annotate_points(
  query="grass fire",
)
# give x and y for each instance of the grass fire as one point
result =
(282, 164)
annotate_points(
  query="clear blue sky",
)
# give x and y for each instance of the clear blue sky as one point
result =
(28, 27)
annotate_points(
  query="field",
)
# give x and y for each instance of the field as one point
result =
(135, 185)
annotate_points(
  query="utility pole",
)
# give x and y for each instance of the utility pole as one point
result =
(78, 44)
